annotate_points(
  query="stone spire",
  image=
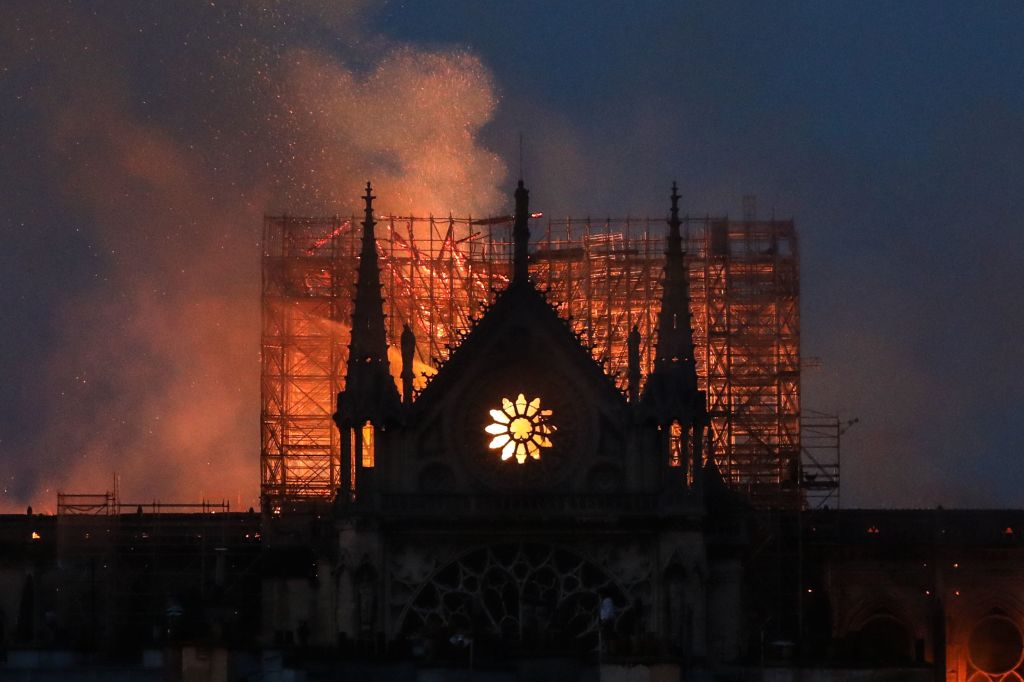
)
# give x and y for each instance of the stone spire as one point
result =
(370, 392)
(521, 235)
(671, 396)
(675, 332)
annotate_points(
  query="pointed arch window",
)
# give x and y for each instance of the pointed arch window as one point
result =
(675, 444)
(352, 454)
(368, 445)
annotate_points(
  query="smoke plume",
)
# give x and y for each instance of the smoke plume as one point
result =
(170, 135)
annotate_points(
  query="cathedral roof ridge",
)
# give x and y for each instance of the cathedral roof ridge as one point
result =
(517, 294)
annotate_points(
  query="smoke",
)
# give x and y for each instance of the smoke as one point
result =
(169, 137)
(410, 124)
(135, 296)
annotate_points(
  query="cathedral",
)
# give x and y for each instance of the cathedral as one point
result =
(519, 515)
(520, 500)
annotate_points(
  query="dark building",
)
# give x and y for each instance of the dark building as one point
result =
(520, 498)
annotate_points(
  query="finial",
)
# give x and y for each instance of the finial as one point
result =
(368, 221)
(674, 242)
(521, 234)
(370, 393)
(675, 334)
(369, 196)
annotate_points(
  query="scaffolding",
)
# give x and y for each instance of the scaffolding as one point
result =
(109, 504)
(604, 276)
(820, 436)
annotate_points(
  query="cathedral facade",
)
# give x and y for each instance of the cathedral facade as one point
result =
(520, 501)
(520, 513)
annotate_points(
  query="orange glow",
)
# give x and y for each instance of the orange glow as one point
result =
(675, 445)
(421, 371)
(995, 649)
(175, 275)
(520, 429)
(368, 445)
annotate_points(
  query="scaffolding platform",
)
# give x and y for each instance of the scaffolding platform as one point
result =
(605, 276)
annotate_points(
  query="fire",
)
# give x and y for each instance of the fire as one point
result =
(289, 125)
(438, 275)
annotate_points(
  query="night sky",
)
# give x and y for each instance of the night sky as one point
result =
(143, 141)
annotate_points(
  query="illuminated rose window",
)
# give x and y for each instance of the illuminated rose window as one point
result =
(520, 428)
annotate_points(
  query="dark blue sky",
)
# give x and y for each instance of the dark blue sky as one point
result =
(893, 133)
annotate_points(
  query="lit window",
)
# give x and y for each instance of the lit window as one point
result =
(520, 428)
(354, 453)
(675, 445)
(367, 445)
(35, 535)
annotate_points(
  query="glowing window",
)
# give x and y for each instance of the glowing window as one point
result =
(520, 428)
(675, 445)
(352, 459)
(367, 445)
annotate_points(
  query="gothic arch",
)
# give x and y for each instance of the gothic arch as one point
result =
(987, 638)
(998, 601)
(882, 604)
(883, 631)
(682, 559)
(995, 648)
(884, 639)
(533, 593)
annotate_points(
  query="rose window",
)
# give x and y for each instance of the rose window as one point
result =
(520, 429)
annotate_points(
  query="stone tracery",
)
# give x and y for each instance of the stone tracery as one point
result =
(519, 591)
